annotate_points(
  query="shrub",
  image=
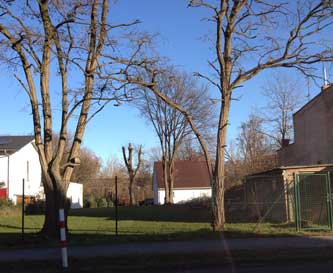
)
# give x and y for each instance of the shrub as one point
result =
(37, 207)
(199, 202)
(7, 208)
(90, 202)
(102, 203)
(110, 204)
(6, 203)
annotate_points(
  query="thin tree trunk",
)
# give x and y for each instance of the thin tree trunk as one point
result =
(171, 181)
(165, 180)
(130, 190)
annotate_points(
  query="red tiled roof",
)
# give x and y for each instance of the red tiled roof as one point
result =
(188, 174)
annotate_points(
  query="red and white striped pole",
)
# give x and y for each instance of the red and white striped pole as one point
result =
(63, 241)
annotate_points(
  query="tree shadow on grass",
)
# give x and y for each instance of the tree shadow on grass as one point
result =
(15, 227)
(95, 237)
(9, 240)
(283, 225)
(152, 213)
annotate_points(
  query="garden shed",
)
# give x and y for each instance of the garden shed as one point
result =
(293, 194)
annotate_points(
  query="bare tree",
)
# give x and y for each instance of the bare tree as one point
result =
(155, 154)
(88, 169)
(57, 50)
(250, 37)
(255, 148)
(284, 95)
(111, 166)
(170, 125)
(131, 170)
(188, 150)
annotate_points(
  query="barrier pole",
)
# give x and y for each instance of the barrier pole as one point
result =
(63, 241)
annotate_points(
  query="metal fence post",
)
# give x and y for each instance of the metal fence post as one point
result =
(116, 208)
(329, 195)
(23, 199)
(296, 203)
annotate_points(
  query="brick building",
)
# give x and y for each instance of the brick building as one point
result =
(313, 133)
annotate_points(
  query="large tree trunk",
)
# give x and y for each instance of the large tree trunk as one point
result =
(218, 199)
(55, 200)
(50, 222)
(219, 172)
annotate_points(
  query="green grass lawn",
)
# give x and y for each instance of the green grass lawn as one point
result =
(94, 226)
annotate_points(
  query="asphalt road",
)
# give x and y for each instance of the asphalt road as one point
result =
(169, 247)
(299, 267)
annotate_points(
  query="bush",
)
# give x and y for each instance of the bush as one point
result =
(110, 204)
(102, 203)
(198, 202)
(90, 202)
(37, 207)
(5, 203)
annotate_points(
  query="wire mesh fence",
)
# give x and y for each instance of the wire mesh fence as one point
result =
(262, 202)
(313, 206)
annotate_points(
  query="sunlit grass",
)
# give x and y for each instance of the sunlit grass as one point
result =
(95, 226)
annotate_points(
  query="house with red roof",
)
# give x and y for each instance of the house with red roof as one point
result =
(191, 180)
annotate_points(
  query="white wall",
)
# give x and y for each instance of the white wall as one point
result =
(155, 189)
(185, 194)
(24, 164)
(75, 193)
(3, 169)
(31, 172)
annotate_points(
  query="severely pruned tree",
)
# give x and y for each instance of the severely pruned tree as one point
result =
(56, 49)
(170, 125)
(131, 170)
(250, 37)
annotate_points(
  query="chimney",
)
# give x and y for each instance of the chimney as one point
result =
(327, 87)
(285, 142)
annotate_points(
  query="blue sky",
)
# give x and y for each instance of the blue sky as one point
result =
(181, 31)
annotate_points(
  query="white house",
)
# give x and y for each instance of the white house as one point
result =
(19, 160)
(191, 180)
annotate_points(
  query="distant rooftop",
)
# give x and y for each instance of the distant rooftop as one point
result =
(11, 144)
(188, 174)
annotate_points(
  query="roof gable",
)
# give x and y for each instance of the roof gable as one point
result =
(188, 174)
(11, 144)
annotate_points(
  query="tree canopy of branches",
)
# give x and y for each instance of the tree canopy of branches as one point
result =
(57, 50)
(249, 37)
(88, 169)
(170, 125)
(283, 96)
(251, 152)
(255, 147)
